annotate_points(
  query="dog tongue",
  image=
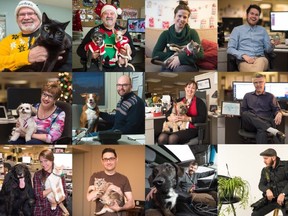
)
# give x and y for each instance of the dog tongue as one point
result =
(22, 183)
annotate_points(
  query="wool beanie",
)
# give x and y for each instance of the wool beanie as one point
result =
(29, 4)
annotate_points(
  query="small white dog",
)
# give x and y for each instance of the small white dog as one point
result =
(27, 124)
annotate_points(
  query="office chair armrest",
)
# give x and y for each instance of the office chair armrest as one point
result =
(63, 140)
(200, 124)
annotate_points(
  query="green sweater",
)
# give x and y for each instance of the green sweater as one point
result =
(182, 38)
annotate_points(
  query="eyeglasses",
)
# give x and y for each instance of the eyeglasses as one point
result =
(29, 14)
(108, 159)
(258, 83)
(44, 95)
(122, 85)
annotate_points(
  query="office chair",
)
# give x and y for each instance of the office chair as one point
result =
(200, 126)
(66, 137)
(233, 66)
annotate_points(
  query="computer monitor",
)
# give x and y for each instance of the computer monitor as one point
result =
(279, 90)
(241, 88)
(136, 25)
(26, 159)
(229, 23)
(278, 21)
(16, 96)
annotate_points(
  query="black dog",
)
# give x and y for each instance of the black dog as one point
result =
(165, 178)
(17, 195)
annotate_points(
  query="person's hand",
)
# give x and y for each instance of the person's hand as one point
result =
(248, 59)
(275, 42)
(192, 188)
(150, 195)
(96, 194)
(280, 199)
(174, 63)
(18, 124)
(184, 118)
(173, 118)
(37, 54)
(278, 118)
(95, 55)
(22, 133)
(269, 195)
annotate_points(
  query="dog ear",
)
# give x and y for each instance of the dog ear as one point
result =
(123, 31)
(18, 108)
(84, 95)
(33, 109)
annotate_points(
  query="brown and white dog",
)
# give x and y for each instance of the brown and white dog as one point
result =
(179, 109)
(90, 112)
(123, 49)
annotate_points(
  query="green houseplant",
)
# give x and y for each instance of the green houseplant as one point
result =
(232, 190)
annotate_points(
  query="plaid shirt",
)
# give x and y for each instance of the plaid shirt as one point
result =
(42, 205)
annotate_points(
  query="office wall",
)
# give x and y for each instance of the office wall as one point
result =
(53, 12)
(86, 161)
(245, 161)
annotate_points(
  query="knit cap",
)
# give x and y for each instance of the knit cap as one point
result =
(29, 4)
(117, 11)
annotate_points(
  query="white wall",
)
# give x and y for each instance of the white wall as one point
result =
(245, 161)
(54, 12)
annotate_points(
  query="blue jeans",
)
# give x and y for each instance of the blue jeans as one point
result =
(21, 140)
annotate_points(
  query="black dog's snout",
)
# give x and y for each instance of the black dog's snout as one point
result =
(158, 181)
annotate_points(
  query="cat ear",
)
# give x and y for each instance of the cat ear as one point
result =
(44, 18)
(64, 25)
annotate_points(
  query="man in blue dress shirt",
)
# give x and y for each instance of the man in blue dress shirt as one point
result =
(260, 112)
(249, 41)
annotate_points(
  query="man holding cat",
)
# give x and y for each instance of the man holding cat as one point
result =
(108, 16)
(121, 184)
(16, 51)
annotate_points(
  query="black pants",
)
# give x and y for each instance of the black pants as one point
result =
(268, 208)
(253, 123)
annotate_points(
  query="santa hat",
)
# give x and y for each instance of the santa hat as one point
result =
(117, 11)
(29, 4)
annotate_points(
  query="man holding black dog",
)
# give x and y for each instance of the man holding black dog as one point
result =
(274, 185)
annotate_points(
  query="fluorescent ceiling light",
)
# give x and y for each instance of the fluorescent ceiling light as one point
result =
(183, 152)
(18, 82)
(168, 74)
(153, 80)
(180, 83)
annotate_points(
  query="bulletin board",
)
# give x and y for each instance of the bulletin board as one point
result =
(160, 13)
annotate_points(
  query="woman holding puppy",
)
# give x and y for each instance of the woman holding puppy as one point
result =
(197, 113)
(49, 118)
(181, 34)
(42, 205)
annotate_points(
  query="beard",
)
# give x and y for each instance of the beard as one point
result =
(28, 28)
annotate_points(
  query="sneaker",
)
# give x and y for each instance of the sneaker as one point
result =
(92, 134)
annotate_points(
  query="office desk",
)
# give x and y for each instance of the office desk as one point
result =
(280, 63)
(153, 127)
(224, 130)
(125, 139)
(6, 129)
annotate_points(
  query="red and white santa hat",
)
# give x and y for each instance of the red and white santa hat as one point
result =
(31, 5)
(117, 11)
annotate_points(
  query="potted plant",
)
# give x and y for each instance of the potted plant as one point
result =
(232, 190)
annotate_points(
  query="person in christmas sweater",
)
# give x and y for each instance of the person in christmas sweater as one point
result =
(181, 34)
(15, 49)
(108, 16)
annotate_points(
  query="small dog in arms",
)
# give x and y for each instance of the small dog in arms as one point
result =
(27, 124)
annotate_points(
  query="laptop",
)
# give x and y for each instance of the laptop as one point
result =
(3, 114)
(200, 188)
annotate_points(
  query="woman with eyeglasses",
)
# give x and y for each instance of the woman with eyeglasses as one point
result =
(49, 118)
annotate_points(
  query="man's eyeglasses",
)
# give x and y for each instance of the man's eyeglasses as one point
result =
(122, 85)
(258, 83)
(108, 159)
(29, 14)
(44, 95)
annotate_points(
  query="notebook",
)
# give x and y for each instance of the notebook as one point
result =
(203, 188)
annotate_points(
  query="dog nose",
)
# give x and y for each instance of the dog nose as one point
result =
(158, 181)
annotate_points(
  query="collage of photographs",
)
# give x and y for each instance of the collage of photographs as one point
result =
(143, 108)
